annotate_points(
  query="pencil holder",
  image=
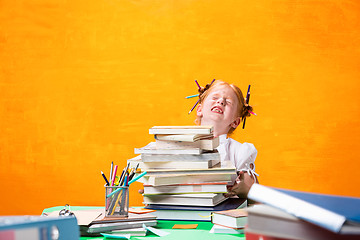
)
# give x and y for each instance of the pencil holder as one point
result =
(116, 201)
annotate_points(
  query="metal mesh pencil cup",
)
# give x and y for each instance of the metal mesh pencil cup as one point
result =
(116, 201)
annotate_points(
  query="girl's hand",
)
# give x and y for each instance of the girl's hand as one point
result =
(241, 186)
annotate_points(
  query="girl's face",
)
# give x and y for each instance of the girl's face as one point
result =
(220, 107)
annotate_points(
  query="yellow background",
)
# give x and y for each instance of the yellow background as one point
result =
(81, 82)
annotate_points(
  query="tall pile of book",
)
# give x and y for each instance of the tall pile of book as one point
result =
(184, 172)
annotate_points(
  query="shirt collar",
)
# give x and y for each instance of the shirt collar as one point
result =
(223, 138)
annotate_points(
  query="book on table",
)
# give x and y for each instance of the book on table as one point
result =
(103, 224)
(108, 227)
(206, 156)
(152, 149)
(233, 218)
(204, 144)
(191, 138)
(136, 161)
(225, 170)
(195, 188)
(194, 213)
(132, 231)
(264, 220)
(338, 214)
(227, 230)
(171, 179)
(195, 129)
(201, 199)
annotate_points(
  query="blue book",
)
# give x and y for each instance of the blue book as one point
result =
(338, 214)
(194, 213)
(39, 227)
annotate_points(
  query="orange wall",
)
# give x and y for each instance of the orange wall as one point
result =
(81, 82)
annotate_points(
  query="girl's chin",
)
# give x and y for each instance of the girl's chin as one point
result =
(212, 121)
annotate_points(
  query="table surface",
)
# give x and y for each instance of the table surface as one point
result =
(200, 233)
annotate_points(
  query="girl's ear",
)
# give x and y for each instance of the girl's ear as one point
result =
(236, 122)
(199, 110)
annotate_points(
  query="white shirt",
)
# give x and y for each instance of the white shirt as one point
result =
(240, 155)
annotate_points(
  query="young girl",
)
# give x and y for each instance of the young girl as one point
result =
(222, 105)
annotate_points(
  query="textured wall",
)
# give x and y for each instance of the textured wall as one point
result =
(81, 82)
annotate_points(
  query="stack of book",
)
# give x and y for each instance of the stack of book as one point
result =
(93, 222)
(183, 170)
(288, 214)
(229, 221)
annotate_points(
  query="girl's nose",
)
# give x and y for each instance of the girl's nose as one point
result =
(221, 101)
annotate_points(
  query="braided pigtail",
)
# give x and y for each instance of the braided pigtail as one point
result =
(246, 111)
(202, 90)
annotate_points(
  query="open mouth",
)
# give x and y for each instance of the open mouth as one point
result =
(217, 109)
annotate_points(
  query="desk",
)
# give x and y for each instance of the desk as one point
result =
(200, 233)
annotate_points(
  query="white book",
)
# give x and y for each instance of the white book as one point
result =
(97, 228)
(152, 149)
(221, 229)
(205, 144)
(171, 179)
(131, 232)
(181, 130)
(186, 199)
(182, 137)
(233, 218)
(219, 187)
(226, 170)
(180, 157)
(172, 165)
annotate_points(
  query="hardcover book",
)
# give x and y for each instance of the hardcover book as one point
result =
(218, 187)
(103, 224)
(195, 129)
(206, 156)
(171, 179)
(186, 199)
(339, 214)
(233, 218)
(172, 164)
(227, 230)
(197, 213)
(216, 170)
(182, 137)
(204, 144)
(274, 223)
(152, 149)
